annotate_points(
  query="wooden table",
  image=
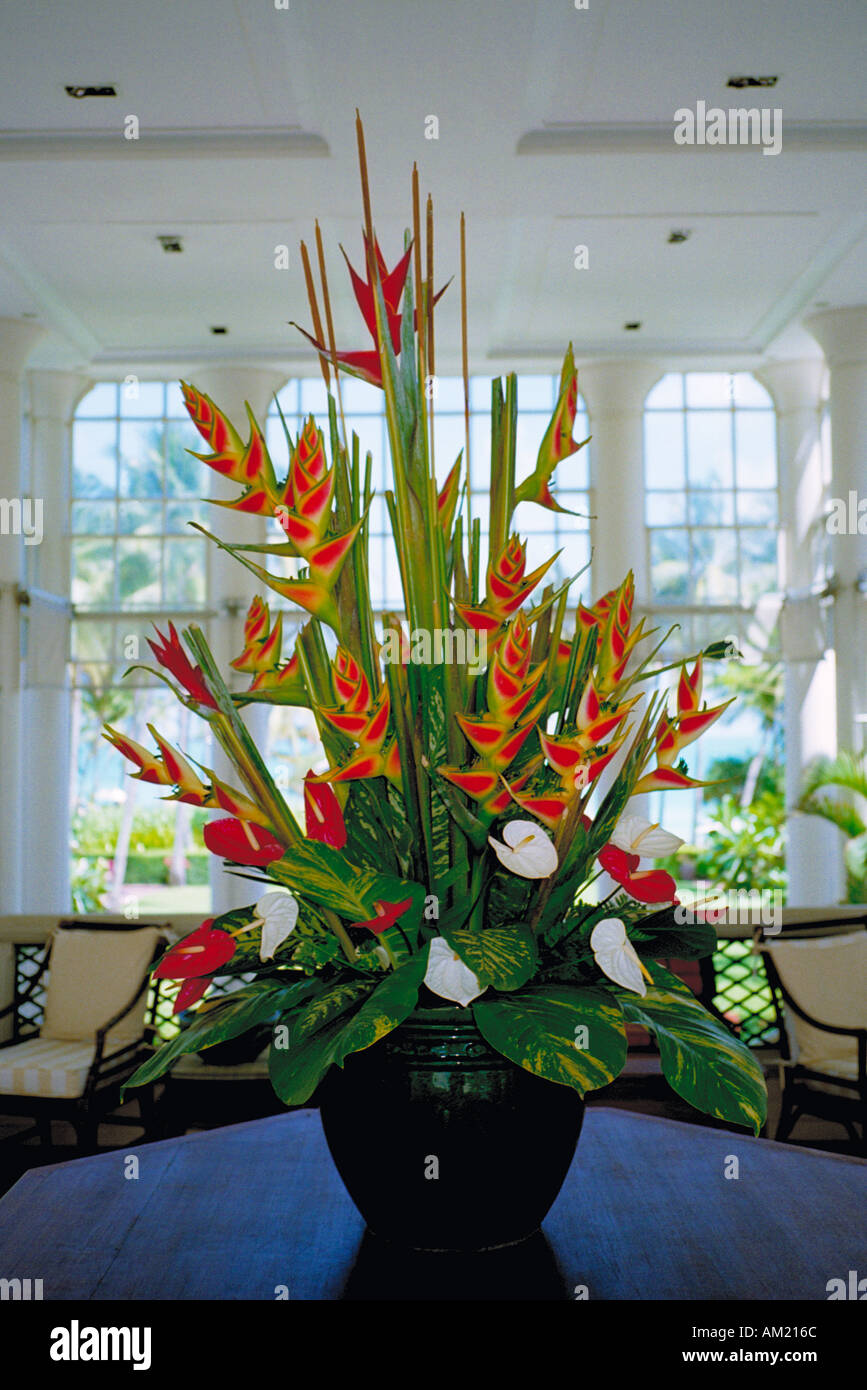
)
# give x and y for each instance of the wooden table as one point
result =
(646, 1212)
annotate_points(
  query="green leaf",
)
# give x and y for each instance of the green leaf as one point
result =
(295, 1072)
(504, 957)
(388, 1005)
(328, 1005)
(539, 1029)
(297, 1068)
(244, 1009)
(701, 1060)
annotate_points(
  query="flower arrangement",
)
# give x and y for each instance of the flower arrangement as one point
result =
(452, 843)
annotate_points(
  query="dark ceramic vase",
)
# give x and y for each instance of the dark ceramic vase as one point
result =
(443, 1143)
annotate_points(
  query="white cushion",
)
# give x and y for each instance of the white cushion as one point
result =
(92, 975)
(827, 977)
(45, 1067)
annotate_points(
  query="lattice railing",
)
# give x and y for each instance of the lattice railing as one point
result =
(743, 994)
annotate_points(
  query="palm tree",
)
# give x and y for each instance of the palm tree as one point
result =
(848, 772)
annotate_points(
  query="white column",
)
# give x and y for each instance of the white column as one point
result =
(842, 336)
(615, 393)
(231, 586)
(17, 341)
(45, 809)
(813, 847)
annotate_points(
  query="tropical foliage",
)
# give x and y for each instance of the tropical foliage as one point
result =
(469, 802)
(846, 776)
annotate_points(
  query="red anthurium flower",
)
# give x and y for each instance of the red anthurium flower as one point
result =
(170, 654)
(386, 915)
(323, 816)
(190, 992)
(644, 885)
(242, 842)
(200, 953)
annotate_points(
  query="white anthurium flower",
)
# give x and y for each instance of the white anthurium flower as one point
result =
(447, 976)
(527, 851)
(616, 955)
(278, 914)
(636, 835)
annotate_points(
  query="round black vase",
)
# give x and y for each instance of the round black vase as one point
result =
(443, 1143)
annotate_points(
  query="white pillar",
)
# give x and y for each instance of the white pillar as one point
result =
(615, 393)
(17, 341)
(230, 585)
(813, 847)
(842, 336)
(45, 808)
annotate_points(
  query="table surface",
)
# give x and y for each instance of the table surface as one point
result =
(257, 1211)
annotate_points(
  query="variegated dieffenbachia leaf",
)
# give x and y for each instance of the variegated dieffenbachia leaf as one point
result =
(701, 1060)
(504, 957)
(571, 1034)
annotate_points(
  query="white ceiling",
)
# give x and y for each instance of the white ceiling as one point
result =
(247, 133)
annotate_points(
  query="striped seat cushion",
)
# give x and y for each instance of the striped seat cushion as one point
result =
(45, 1067)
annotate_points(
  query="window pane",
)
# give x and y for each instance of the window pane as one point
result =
(536, 393)
(759, 573)
(359, 397)
(100, 403)
(755, 436)
(449, 440)
(708, 389)
(93, 572)
(712, 508)
(142, 400)
(93, 518)
(175, 408)
(94, 453)
(449, 393)
(665, 509)
(180, 514)
(715, 565)
(314, 398)
(577, 503)
(142, 518)
(138, 569)
(757, 508)
(749, 392)
(184, 581)
(709, 445)
(663, 448)
(184, 475)
(141, 462)
(666, 394)
(669, 566)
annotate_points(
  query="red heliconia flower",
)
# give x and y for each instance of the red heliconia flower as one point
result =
(200, 953)
(644, 885)
(506, 586)
(190, 992)
(557, 444)
(366, 364)
(242, 842)
(323, 816)
(172, 656)
(386, 916)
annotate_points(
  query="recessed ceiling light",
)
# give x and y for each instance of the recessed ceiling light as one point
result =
(632, 327)
(752, 82)
(171, 244)
(81, 92)
(219, 329)
(676, 238)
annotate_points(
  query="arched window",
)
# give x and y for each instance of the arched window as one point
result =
(134, 560)
(364, 412)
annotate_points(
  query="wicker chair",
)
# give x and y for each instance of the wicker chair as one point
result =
(96, 1029)
(818, 977)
